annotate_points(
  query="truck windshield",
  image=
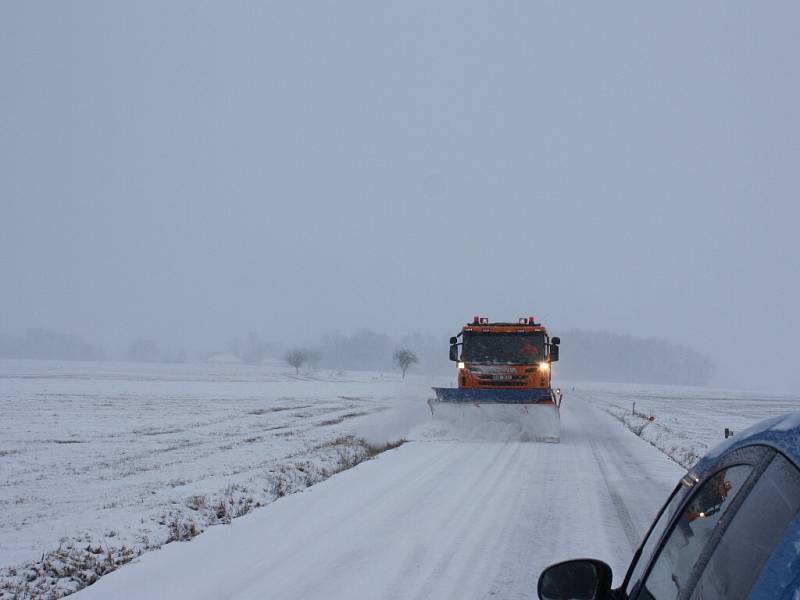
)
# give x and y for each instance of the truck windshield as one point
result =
(503, 348)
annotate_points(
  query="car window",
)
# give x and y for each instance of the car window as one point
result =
(752, 534)
(780, 576)
(656, 531)
(696, 525)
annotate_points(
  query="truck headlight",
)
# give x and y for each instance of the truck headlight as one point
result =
(544, 366)
(461, 365)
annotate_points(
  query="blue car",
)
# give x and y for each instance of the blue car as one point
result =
(730, 530)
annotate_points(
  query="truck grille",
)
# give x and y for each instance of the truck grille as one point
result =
(496, 378)
(502, 378)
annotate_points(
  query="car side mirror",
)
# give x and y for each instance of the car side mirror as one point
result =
(585, 578)
(454, 352)
(553, 353)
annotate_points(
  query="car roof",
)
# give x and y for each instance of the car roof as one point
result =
(781, 433)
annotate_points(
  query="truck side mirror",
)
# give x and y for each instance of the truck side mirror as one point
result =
(555, 341)
(453, 341)
(453, 352)
(553, 353)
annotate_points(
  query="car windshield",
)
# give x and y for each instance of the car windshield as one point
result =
(503, 348)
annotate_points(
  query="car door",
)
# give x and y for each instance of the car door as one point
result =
(753, 536)
(668, 568)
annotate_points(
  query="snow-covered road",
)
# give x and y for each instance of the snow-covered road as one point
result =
(432, 519)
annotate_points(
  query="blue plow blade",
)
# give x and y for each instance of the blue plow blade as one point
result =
(492, 396)
(497, 414)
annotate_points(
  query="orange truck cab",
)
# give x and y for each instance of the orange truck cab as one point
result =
(513, 357)
(503, 382)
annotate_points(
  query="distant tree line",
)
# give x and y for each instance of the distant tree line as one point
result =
(368, 350)
(44, 344)
(49, 345)
(363, 350)
(585, 355)
(606, 356)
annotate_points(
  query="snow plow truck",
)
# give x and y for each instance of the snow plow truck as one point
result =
(504, 375)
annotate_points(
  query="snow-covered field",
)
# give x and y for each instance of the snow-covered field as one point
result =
(687, 421)
(431, 519)
(102, 462)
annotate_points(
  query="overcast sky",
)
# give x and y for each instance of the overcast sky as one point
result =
(190, 170)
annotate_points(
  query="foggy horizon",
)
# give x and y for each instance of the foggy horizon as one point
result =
(192, 172)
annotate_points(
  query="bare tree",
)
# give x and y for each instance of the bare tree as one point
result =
(297, 358)
(404, 358)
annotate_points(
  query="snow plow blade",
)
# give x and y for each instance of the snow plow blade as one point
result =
(499, 414)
